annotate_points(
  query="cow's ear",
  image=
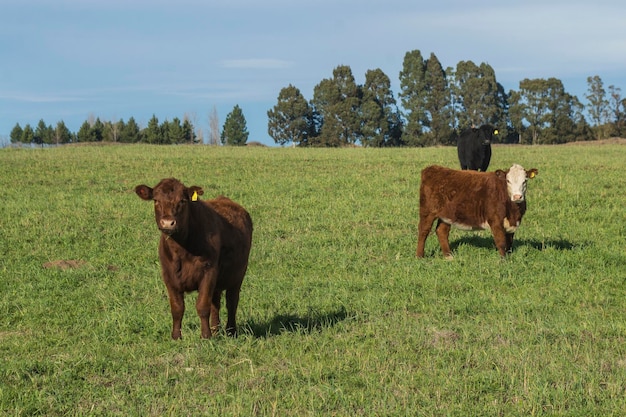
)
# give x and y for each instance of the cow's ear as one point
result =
(532, 173)
(194, 191)
(144, 192)
(500, 173)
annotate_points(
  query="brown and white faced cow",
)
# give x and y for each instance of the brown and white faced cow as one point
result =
(204, 247)
(471, 200)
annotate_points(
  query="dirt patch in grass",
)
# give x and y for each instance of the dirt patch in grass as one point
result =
(64, 264)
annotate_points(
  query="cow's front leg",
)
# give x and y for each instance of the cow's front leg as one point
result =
(177, 307)
(500, 238)
(204, 302)
(509, 242)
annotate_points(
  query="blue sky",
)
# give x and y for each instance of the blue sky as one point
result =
(69, 59)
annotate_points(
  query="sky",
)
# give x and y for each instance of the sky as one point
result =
(115, 59)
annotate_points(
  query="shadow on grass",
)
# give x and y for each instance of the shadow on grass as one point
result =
(290, 323)
(486, 242)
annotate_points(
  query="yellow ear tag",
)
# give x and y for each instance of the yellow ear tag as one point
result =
(194, 197)
(532, 175)
(495, 132)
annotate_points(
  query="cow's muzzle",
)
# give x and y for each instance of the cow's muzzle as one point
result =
(167, 226)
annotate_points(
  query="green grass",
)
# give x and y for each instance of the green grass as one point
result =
(337, 317)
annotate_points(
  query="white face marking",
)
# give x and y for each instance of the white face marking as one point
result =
(516, 183)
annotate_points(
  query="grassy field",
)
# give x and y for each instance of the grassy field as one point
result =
(337, 317)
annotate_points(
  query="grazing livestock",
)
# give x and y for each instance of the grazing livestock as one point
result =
(471, 200)
(474, 147)
(204, 247)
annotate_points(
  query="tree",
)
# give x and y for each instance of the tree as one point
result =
(62, 134)
(544, 113)
(617, 106)
(214, 128)
(478, 95)
(84, 132)
(28, 134)
(112, 131)
(17, 134)
(291, 119)
(413, 95)
(43, 133)
(153, 133)
(130, 132)
(189, 133)
(598, 105)
(234, 131)
(97, 131)
(173, 132)
(337, 102)
(437, 104)
(381, 120)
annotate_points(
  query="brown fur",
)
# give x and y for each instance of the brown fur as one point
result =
(204, 247)
(470, 198)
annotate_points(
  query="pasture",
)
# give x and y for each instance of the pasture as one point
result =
(337, 317)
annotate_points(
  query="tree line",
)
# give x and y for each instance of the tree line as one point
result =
(437, 104)
(174, 132)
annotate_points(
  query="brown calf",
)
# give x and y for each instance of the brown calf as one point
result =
(472, 200)
(204, 247)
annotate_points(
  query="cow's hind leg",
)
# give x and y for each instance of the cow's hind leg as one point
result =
(205, 305)
(232, 301)
(216, 304)
(423, 230)
(443, 230)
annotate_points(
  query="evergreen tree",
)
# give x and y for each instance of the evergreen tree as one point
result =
(97, 131)
(413, 95)
(381, 121)
(188, 132)
(291, 119)
(153, 132)
(234, 131)
(28, 134)
(174, 132)
(43, 133)
(84, 132)
(437, 104)
(62, 134)
(479, 95)
(337, 101)
(17, 134)
(130, 132)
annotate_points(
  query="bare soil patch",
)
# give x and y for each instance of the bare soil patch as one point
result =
(64, 264)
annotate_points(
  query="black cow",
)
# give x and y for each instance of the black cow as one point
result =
(474, 147)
